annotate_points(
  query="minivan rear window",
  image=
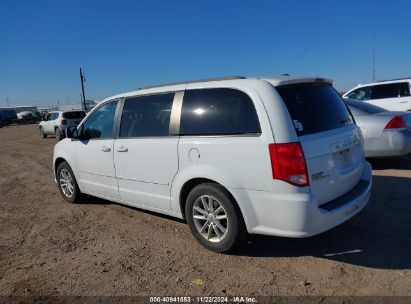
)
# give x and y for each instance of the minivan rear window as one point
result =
(314, 107)
(74, 115)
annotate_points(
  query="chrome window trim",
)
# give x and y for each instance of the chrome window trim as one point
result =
(176, 113)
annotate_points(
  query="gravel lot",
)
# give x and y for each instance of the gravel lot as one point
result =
(50, 247)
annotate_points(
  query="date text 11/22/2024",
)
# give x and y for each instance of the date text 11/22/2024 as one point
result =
(205, 299)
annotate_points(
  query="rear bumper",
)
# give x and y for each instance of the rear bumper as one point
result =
(298, 215)
(390, 143)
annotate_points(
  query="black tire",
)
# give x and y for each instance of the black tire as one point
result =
(42, 134)
(58, 134)
(76, 195)
(236, 232)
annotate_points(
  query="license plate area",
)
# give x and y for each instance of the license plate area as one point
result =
(343, 159)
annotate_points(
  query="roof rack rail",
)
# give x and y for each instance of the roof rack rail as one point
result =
(191, 81)
(394, 79)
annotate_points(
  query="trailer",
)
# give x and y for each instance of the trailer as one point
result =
(7, 116)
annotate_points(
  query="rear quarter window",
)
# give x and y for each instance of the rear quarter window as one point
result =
(391, 90)
(314, 108)
(220, 111)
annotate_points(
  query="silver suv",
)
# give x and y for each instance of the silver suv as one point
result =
(55, 123)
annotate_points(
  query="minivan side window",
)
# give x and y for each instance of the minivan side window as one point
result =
(363, 93)
(219, 111)
(380, 91)
(100, 123)
(146, 116)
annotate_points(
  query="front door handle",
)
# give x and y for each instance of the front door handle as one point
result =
(105, 149)
(122, 149)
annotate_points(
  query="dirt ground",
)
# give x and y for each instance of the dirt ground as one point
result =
(50, 247)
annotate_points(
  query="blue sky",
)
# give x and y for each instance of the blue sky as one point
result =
(122, 45)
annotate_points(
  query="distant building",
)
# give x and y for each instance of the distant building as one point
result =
(90, 104)
(19, 109)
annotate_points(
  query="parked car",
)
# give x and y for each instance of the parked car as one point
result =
(275, 156)
(55, 123)
(393, 95)
(385, 133)
(26, 117)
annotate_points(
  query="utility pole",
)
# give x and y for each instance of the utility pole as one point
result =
(7, 101)
(82, 79)
(373, 57)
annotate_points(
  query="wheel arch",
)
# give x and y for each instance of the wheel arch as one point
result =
(58, 161)
(192, 183)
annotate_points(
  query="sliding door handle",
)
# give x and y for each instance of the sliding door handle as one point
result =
(122, 149)
(105, 149)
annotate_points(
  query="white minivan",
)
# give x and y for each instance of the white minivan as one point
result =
(275, 156)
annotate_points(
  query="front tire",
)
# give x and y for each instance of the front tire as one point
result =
(67, 183)
(58, 134)
(214, 218)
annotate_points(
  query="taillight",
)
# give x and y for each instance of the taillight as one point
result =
(288, 163)
(396, 123)
(63, 121)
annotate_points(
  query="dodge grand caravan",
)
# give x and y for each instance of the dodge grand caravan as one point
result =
(231, 156)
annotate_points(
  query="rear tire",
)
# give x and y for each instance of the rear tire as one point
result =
(214, 218)
(67, 183)
(58, 134)
(42, 134)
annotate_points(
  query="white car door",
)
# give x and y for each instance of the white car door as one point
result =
(44, 123)
(49, 125)
(391, 96)
(145, 154)
(94, 153)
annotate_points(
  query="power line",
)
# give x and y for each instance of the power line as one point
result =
(82, 79)
(373, 57)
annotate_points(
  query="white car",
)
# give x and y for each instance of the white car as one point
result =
(275, 156)
(392, 95)
(55, 123)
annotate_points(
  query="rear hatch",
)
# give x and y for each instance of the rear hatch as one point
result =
(73, 118)
(329, 137)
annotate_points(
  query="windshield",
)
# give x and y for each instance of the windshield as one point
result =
(314, 107)
(74, 115)
(364, 107)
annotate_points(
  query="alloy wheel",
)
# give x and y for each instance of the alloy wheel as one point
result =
(210, 218)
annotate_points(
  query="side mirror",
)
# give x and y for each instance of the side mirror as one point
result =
(72, 132)
(44, 119)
